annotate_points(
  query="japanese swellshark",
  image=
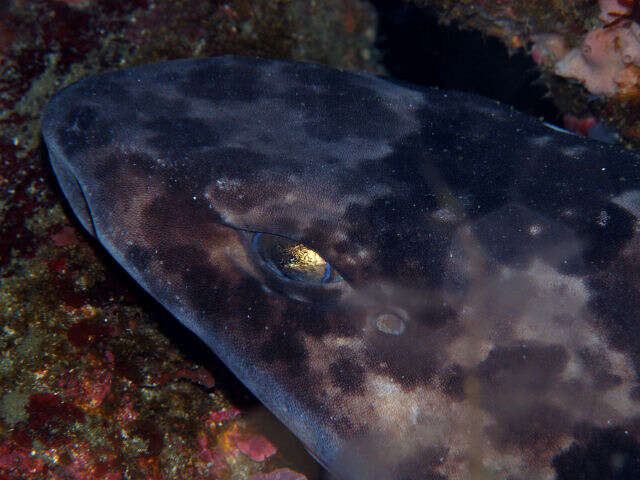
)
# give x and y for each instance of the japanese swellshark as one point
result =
(420, 284)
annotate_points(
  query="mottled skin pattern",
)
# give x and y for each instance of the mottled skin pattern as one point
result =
(506, 254)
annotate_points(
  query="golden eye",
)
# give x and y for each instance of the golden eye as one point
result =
(293, 260)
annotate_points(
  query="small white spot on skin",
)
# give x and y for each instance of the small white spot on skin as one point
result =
(227, 217)
(363, 253)
(535, 229)
(445, 215)
(227, 184)
(290, 198)
(603, 218)
(340, 236)
(488, 110)
(468, 351)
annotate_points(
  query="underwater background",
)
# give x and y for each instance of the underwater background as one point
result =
(99, 382)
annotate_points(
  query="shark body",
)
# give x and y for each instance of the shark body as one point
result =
(420, 284)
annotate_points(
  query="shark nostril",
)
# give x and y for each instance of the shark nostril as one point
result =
(390, 323)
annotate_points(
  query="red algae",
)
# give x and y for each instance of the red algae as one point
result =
(16, 462)
(256, 447)
(86, 333)
(65, 237)
(150, 434)
(50, 419)
(89, 389)
(200, 376)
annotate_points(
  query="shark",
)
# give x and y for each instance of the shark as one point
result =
(420, 284)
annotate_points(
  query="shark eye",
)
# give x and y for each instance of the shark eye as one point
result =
(293, 260)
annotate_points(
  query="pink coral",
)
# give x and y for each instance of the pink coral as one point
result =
(608, 60)
(581, 126)
(548, 48)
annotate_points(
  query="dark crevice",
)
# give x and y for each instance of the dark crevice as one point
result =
(417, 49)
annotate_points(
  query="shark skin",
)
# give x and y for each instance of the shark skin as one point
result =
(478, 314)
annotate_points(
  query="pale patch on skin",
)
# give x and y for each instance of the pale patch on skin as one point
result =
(630, 201)
(446, 215)
(291, 201)
(540, 141)
(488, 110)
(576, 151)
(470, 349)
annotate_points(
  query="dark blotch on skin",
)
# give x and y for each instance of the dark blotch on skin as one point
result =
(505, 236)
(513, 382)
(453, 382)
(602, 454)
(207, 82)
(410, 257)
(182, 216)
(616, 302)
(181, 135)
(155, 105)
(279, 347)
(462, 164)
(317, 320)
(347, 375)
(111, 91)
(205, 288)
(607, 235)
(110, 166)
(85, 128)
(436, 316)
(423, 465)
(599, 368)
(139, 257)
(536, 427)
(337, 108)
(395, 356)
(526, 367)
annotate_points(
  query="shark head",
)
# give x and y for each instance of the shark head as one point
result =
(420, 284)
